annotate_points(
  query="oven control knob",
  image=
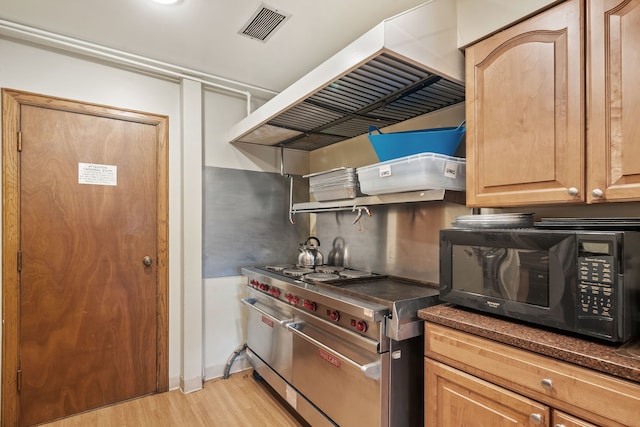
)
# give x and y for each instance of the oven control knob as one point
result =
(264, 287)
(275, 292)
(334, 315)
(361, 326)
(311, 306)
(293, 300)
(254, 283)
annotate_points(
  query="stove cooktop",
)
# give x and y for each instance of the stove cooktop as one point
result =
(373, 287)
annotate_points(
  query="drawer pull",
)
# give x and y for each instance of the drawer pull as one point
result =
(559, 425)
(536, 419)
(546, 383)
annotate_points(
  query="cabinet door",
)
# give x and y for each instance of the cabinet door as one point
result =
(525, 112)
(456, 399)
(613, 104)
(560, 419)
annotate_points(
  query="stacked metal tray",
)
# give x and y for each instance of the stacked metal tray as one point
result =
(334, 184)
(505, 220)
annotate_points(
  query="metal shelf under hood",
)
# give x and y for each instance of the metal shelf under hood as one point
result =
(406, 66)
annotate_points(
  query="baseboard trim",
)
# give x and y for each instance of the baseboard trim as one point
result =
(190, 385)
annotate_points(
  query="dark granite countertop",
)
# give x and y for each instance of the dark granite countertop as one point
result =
(622, 361)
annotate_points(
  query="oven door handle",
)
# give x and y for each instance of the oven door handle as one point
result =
(370, 370)
(252, 302)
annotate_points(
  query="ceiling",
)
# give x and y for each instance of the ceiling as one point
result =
(203, 35)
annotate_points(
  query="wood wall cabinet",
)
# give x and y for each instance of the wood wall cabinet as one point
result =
(471, 381)
(547, 121)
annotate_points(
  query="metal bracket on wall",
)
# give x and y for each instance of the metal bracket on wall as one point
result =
(319, 209)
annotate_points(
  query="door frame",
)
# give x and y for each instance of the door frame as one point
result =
(12, 100)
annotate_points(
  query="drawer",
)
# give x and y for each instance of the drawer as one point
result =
(588, 394)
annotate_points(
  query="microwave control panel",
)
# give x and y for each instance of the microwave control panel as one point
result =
(596, 286)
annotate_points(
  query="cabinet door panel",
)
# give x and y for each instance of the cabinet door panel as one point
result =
(614, 100)
(456, 399)
(525, 112)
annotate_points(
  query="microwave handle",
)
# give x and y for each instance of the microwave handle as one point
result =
(370, 370)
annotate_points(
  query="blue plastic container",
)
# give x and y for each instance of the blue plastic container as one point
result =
(389, 146)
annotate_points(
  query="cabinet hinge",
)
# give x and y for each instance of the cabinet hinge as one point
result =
(19, 141)
(19, 260)
(19, 380)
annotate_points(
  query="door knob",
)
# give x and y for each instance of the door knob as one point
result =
(147, 261)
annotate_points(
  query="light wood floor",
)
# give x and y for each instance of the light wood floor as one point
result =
(237, 401)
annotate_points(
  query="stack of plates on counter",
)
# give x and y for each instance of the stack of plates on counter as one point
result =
(507, 220)
(334, 184)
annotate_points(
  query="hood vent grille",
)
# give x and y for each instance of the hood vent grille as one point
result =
(264, 22)
(382, 92)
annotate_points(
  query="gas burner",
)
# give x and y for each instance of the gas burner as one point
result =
(354, 274)
(329, 269)
(278, 267)
(321, 277)
(297, 271)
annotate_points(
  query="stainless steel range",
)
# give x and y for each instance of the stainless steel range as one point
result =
(343, 347)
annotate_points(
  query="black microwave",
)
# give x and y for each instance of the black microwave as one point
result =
(584, 282)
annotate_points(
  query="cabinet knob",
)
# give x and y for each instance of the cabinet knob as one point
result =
(573, 191)
(537, 419)
(546, 383)
(597, 193)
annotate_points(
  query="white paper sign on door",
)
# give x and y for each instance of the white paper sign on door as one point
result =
(95, 174)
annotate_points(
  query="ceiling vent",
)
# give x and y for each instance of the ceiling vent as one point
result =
(264, 22)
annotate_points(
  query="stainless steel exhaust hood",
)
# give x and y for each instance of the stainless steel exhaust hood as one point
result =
(406, 66)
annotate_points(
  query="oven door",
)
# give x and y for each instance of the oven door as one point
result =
(267, 333)
(344, 378)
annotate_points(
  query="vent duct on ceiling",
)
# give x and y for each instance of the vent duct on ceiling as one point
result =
(264, 22)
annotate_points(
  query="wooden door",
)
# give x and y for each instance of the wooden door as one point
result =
(456, 399)
(525, 112)
(613, 106)
(90, 259)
